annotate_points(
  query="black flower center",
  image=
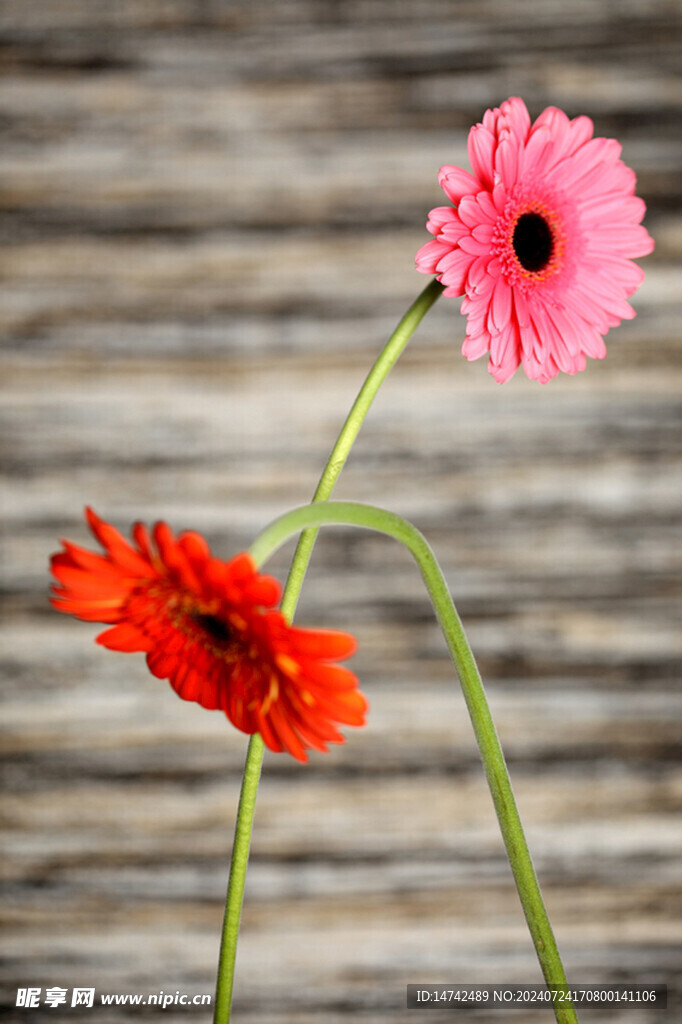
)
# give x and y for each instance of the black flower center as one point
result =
(533, 242)
(216, 628)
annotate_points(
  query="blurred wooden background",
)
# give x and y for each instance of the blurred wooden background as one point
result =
(210, 213)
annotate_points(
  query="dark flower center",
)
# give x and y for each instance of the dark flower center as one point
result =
(216, 628)
(533, 242)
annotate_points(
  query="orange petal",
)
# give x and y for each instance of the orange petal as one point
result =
(123, 638)
(329, 644)
(287, 737)
(263, 590)
(326, 676)
(116, 544)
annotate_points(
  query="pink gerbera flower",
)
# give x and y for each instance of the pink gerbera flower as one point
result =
(540, 241)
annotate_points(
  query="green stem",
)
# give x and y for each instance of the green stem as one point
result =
(254, 757)
(355, 514)
(350, 430)
(235, 886)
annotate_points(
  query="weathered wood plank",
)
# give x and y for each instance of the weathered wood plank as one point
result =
(209, 216)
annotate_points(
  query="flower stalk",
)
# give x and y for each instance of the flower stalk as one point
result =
(385, 362)
(237, 880)
(369, 517)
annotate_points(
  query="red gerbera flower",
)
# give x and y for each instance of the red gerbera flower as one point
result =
(211, 629)
(540, 241)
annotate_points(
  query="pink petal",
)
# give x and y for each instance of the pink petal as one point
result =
(515, 117)
(453, 231)
(479, 281)
(488, 212)
(592, 343)
(502, 304)
(469, 211)
(429, 255)
(506, 161)
(453, 269)
(481, 149)
(472, 245)
(457, 183)
(536, 153)
(474, 348)
(440, 216)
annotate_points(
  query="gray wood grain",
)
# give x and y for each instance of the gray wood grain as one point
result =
(209, 217)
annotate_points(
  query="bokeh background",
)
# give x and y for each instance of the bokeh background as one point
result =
(210, 214)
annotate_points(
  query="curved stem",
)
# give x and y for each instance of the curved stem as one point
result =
(350, 430)
(355, 514)
(254, 757)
